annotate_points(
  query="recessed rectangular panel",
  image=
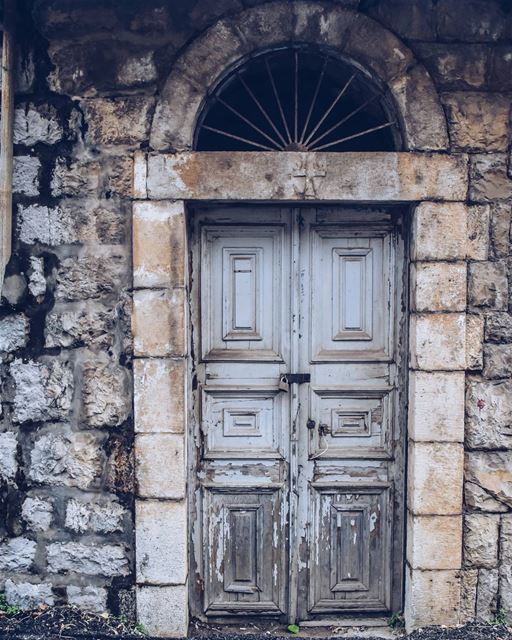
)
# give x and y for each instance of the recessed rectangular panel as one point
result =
(350, 534)
(351, 291)
(243, 302)
(242, 423)
(352, 423)
(352, 294)
(243, 547)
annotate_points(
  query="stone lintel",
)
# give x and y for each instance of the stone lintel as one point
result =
(298, 176)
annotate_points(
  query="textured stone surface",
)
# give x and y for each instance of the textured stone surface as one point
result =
(91, 276)
(488, 285)
(481, 534)
(492, 471)
(26, 175)
(43, 391)
(478, 121)
(488, 178)
(71, 459)
(160, 465)
(88, 598)
(434, 542)
(36, 124)
(87, 559)
(163, 610)
(37, 513)
(438, 286)
(17, 554)
(98, 518)
(106, 394)
(37, 280)
(89, 324)
(432, 597)
(26, 595)
(439, 231)
(498, 361)
(8, 462)
(489, 414)
(487, 595)
(498, 327)
(437, 341)
(13, 332)
(117, 121)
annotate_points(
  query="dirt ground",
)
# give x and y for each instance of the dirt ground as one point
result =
(58, 623)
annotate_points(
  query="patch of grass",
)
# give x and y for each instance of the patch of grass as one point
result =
(500, 619)
(396, 621)
(6, 608)
(140, 628)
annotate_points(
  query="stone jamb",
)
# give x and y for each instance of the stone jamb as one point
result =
(443, 239)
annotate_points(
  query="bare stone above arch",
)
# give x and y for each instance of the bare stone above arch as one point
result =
(352, 35)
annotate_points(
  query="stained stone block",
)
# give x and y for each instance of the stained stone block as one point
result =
(26, 175)
(33, 124)
(481, 533)
(87, 559)
(438, 286)
(439, 231)
(163, 610)
(469, 584)
(500, 229)
(435, 472)
(8, 462)
(436, 406)
(106, 394)
(159, 322)
(456, 66)
(84, 517)
(488, 414)
(498, 327)
(26, 595)
(475, 497)
(88, 598)
(488, 180)
(17, 554)
(160, 460)
(159, 388)
(437, 341)
(498, 361)
(474, 342)
(492, 472)
(431, 598)
(487, 594)
(88, 324)
(91, 276)
(37, 513)
(161, 558)
(488, 285)
(116, 121)
(478, 232)
(434, 542)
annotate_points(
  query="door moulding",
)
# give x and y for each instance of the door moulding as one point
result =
(442, 228)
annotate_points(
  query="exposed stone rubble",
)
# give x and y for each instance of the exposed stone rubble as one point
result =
(88, 88)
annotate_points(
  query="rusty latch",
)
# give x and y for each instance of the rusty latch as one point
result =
(286, 379)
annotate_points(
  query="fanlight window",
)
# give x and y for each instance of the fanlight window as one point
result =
(297, 99)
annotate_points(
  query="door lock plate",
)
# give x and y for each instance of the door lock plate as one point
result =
(295, 378)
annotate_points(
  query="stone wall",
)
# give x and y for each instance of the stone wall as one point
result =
(88, 82)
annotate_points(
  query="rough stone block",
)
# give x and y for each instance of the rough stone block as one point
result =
(106, 394)
(116, 121)
(79, 178)
(436, 406)
(159, 395)
(88, 598)
(159, 244)
(500, 229)
(33, 124)
(475, 497)
(469, 584)
(37, 513)
(437, 341)
(26, 595)
(474, 342)
(478, 232)
(488, 179)
(498, 327)
(163, 610)
(80, 278)
(137, 70)
(160, 460)
(431, 598)
(435, 478)
(478, 121)
(65, 458)
(492, 472)
(161, 556)
(36, 277)
(439, 231)
(456, 66)
(497, 361)
(438, 286)
(14, 288)
(13, 332)
(487, 595)
(140, 170)
(469, 25)
(481, 536)
(43, 391)
(411, 19)
(25, 178)
(17, 554)
(434, 542)
(82, 324)
(488, 414)
(159, 322)
(8, 462)
(92, 517)
(87, 559)
(488, 285)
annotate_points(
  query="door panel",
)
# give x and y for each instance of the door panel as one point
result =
(297, 511)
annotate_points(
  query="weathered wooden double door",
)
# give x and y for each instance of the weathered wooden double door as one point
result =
(297, 456)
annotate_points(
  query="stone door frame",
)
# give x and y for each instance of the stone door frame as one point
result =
(444, 236)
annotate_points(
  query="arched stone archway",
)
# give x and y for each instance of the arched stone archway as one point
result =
(356, 37)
